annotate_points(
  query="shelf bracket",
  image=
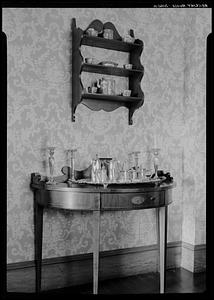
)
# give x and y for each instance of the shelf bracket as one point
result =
(77, 60)
(130, 116)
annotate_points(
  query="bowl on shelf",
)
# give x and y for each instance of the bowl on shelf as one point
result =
(108, 63)
(90, 60)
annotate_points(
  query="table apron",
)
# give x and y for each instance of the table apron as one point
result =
(70, 200)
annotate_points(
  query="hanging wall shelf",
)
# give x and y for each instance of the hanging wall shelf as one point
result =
(97, 101)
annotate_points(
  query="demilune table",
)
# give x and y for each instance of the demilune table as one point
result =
(96, 198)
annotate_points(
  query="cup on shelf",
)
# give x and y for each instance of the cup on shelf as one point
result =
(88, 60)
(129, 39)
(127, 66)
(94, 89)
(92, 32)
(108, 34)
(127, 93)
(95, 61)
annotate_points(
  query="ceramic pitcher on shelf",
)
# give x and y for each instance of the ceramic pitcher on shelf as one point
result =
(106, 86)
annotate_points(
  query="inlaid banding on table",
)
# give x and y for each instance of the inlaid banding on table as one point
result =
(138, 200)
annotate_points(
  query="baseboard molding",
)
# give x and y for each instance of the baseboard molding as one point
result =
(73, 270)
(193, 257)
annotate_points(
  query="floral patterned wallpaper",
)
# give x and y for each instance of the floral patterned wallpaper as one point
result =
(194, 182)
(39, 114)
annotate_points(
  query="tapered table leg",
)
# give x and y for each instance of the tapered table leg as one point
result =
(96, 240)
(163, 242)
(158, 240)
(38, 225)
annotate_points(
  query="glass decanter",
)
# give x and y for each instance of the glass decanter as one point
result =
(51, 162)
(136, 164)
(72, 164)
(155, 152)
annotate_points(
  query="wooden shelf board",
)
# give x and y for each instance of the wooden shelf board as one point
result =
(116, 98)
(109, 44)
(92, 68)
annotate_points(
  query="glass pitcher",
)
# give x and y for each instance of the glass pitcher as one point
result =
(107, 86)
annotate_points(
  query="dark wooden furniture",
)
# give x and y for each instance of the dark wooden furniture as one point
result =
(99, 101)
(99, 199)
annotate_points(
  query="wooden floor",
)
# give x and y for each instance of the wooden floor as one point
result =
(177, 281)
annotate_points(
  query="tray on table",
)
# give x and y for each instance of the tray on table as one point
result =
(111, 184)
